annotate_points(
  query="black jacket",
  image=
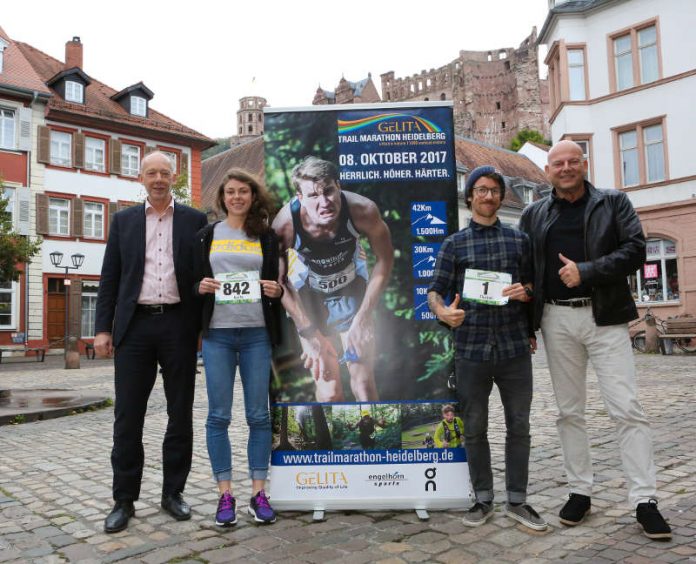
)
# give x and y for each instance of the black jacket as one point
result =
(614, 249)
(124, 267)
(269, 271)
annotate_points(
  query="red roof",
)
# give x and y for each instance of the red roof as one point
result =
(248, 156)
(472, 153)
(17, 72)
(99, 105)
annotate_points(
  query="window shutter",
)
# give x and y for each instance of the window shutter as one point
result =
(42, 214)
(77, 213)
(24, 129)
(23, 196)
(113, 208)
(43, 154)
(78, 146)
(115, 156)
(75, 310)
(184, 166)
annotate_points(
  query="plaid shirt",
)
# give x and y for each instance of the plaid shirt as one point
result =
(489, 333)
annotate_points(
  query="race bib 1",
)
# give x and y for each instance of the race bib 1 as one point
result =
(329, 283)
(485, 287)
(238, 288)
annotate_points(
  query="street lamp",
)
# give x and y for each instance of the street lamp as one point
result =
(77, 260)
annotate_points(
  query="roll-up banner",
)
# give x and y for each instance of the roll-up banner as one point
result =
(360, 397)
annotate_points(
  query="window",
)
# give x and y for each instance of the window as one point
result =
(58, 216)
(642, 154)
(93, 220)
(576, 74)
(657, 280)
(8, 304)
(89, 307)
(95, 149)
(173, 156)
(623, 61)
(654, 153)
(585, 146)
(61, 147)
(74, 91)
(7, 128)
(8, 194)
(138, 106)
(130, 160)
(636, 56)
(647, 50)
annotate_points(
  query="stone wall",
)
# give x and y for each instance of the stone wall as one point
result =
(495, 93)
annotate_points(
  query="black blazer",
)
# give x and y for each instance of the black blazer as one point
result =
(272, 310)
(124, 267)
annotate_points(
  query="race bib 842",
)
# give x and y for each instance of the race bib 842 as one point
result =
(238, 288)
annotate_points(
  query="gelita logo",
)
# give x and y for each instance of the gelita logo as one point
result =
(430, 484)
(321, 479)
(389, 123)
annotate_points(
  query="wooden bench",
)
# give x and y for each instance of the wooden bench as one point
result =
(680, 328)
(40, 352)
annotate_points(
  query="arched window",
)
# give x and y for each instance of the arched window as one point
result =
(657, 280)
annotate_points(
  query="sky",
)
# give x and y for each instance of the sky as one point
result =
(199, 58)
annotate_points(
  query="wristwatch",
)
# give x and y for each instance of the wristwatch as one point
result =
(529, 292)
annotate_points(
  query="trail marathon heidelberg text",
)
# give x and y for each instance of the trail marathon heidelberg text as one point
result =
(365, 457)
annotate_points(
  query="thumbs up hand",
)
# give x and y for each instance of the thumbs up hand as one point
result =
(451, 314)
(569, 273)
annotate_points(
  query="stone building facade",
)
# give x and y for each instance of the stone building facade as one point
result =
(495, 93)
(347, 92)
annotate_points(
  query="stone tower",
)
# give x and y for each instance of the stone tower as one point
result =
(250, 116)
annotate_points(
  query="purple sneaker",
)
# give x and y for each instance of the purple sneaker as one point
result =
(260, 509)
(226, 515)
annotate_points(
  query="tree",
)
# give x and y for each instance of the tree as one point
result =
(527, 135)
(14, 248)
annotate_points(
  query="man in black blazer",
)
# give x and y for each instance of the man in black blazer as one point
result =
(147, 315)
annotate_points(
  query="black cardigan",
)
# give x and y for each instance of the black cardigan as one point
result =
(269, 271)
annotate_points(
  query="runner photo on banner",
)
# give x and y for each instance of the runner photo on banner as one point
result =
(367, 194)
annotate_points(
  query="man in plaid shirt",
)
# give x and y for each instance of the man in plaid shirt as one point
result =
(486, 268)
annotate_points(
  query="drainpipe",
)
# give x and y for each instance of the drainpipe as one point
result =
(26, 264)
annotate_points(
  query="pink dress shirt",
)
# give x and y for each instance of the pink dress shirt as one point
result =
(159, 281)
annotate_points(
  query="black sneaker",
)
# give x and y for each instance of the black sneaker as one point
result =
(654, 525)
(575, 510)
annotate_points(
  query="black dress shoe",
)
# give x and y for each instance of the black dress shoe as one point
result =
(117, 520)
(175, 505)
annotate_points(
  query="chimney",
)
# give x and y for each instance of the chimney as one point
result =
(73, 53)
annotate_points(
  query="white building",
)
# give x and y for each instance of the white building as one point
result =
(622, 81)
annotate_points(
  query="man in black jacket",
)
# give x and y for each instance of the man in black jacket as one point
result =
(147, 315)
(586, 242)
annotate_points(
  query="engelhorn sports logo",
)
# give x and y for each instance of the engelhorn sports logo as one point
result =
(389, 123)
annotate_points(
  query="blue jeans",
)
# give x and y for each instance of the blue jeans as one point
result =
(474, 384)
(223, 349)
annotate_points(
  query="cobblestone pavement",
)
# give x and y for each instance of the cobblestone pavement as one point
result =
(55, 481)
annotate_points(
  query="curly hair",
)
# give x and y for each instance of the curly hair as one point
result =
(263, 208)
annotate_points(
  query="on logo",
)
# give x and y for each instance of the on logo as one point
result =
(430, 479)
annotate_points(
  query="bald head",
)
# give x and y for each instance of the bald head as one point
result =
(157, 157)
(566, 169)
(563, 147)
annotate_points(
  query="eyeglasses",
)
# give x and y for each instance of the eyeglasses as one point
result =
(571, 163)
(482, 191)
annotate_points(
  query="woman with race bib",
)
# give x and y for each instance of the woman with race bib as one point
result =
(237, 262)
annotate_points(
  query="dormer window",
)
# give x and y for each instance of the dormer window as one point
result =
(74, 92)
(134, 99)
(3, 46)
(138, 106)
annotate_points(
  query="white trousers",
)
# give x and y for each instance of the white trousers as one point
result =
(571, 337)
